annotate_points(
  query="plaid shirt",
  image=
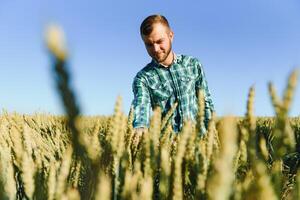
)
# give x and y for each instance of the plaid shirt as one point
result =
(156, 85)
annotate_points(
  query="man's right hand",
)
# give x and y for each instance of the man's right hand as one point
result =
(138, 135)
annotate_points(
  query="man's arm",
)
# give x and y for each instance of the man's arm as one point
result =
(201, 84)
(141, 103)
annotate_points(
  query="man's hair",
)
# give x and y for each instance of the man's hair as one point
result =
(147, 25)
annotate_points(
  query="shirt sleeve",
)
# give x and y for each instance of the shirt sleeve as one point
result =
(201, 84)
(141, 103)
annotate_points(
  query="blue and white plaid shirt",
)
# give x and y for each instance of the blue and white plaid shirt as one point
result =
(157, 85)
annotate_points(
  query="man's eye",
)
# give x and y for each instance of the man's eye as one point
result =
(148, 45)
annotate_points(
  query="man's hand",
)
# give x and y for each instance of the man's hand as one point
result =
(138, 135)
(136, 140)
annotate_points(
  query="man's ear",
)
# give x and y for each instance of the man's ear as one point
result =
(171, 35)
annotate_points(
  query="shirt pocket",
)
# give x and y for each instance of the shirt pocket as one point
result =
(187, 83)
(160, 92)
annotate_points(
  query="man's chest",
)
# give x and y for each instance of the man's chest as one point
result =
(176, 82)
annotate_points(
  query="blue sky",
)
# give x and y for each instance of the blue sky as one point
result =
(240, 43)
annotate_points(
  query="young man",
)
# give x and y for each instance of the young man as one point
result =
(167, 79)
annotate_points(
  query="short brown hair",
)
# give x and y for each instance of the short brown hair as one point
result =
(147, 25)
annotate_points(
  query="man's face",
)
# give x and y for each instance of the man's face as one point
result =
(159, 42)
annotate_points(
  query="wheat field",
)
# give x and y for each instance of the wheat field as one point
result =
(79, 157)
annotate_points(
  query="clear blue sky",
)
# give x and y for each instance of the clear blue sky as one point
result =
(240, 43)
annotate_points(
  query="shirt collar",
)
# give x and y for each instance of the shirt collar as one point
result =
(159, 64)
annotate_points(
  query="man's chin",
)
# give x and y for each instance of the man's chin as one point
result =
(159, 60)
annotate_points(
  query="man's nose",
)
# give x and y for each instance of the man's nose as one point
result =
(156, 47)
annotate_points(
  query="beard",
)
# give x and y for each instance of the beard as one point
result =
(161, 58)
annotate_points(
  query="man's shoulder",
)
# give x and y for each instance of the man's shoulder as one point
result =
(186, 59)
(145, 71)
(191, 65)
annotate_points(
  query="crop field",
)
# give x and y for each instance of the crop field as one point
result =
(238, 158)
(80, 157)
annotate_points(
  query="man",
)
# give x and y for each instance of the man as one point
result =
(167, 79)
